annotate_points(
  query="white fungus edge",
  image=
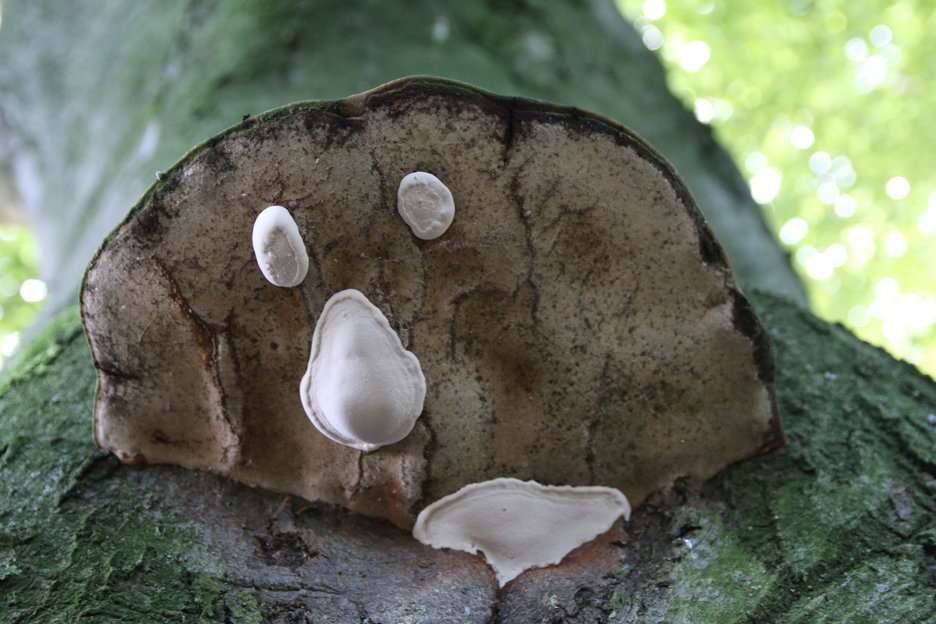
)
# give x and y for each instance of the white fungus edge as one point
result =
(426, 205)
(274, 222)
(479, 518)
(408, 365)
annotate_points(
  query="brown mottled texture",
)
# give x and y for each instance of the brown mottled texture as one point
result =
(577, 324)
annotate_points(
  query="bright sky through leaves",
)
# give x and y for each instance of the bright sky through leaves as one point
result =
(829, 108)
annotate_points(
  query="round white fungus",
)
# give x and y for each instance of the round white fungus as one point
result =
(426, 205)
(362, 388)
(279, 248)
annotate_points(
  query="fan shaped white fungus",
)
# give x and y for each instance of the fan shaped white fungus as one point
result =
(426, 204)
(519, 525)
(362, 388)
(279, 248)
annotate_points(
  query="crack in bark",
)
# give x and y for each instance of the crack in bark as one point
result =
(111, 372)
(209, 337)
(355, 484)
(510, 132)
(284, 586)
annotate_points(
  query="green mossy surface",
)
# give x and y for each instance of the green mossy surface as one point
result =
(838, 526)
(75, 544)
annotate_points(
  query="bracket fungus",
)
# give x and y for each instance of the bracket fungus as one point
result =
(577, 324)
(362, 388)
(519, 525)
(278, 246)
(426, 204)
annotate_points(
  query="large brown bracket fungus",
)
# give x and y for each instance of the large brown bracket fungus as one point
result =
(575, 322)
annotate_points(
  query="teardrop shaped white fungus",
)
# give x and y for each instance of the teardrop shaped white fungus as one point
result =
(362, 388)
(519, 525)
(279, 248)
(426, 204)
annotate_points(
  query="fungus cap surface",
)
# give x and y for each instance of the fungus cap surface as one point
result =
(519, 525)
(426, 204)
(362, 388)
(278, 246)
(577, 322)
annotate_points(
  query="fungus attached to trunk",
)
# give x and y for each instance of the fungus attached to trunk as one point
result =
(577, 323)
(278, 246)
(519, 525)
(362, 388)
(426, 204)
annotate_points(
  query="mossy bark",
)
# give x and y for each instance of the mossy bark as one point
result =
(838, 526)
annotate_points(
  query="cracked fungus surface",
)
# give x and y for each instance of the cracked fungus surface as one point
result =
(576, 324)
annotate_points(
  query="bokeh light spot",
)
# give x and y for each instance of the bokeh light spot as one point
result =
(887, 288)
(858, 316)
(881, 35)
(856, 49)
(694, 56)
(861, 240)
(828, 192)
(704, 111)
(897, 187)
(652, 37)
(654, 9)
(756, 161)
(804, 253)
(819, 267)
(846, 206)
(895, 245)
(33, 291)
(892, 55)
(820, 162)
(765, 185)
(837, 254)
(802, 137)
(793, 231)
(873, 73)
(927, 221)
(9, 343)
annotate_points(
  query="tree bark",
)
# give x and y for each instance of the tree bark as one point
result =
(839, 526)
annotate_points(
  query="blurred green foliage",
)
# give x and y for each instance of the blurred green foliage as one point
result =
(828, 108)
(21, 292)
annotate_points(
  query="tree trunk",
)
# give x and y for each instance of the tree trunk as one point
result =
(838, 526)
(96, 101)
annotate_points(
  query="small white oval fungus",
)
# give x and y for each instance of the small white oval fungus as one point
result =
(279, 248)
(362, 388)
(426, 204)
(519, 525)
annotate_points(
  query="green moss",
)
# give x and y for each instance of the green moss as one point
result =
(837, 526)
(76, 545)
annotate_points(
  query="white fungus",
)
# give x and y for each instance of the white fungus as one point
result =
(362, 388)
(426, 204)
(519, 525)
(279, 248)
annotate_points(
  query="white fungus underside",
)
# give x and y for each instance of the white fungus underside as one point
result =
(425, 204)
(519, 525)
(279, 248)
(361, 388)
